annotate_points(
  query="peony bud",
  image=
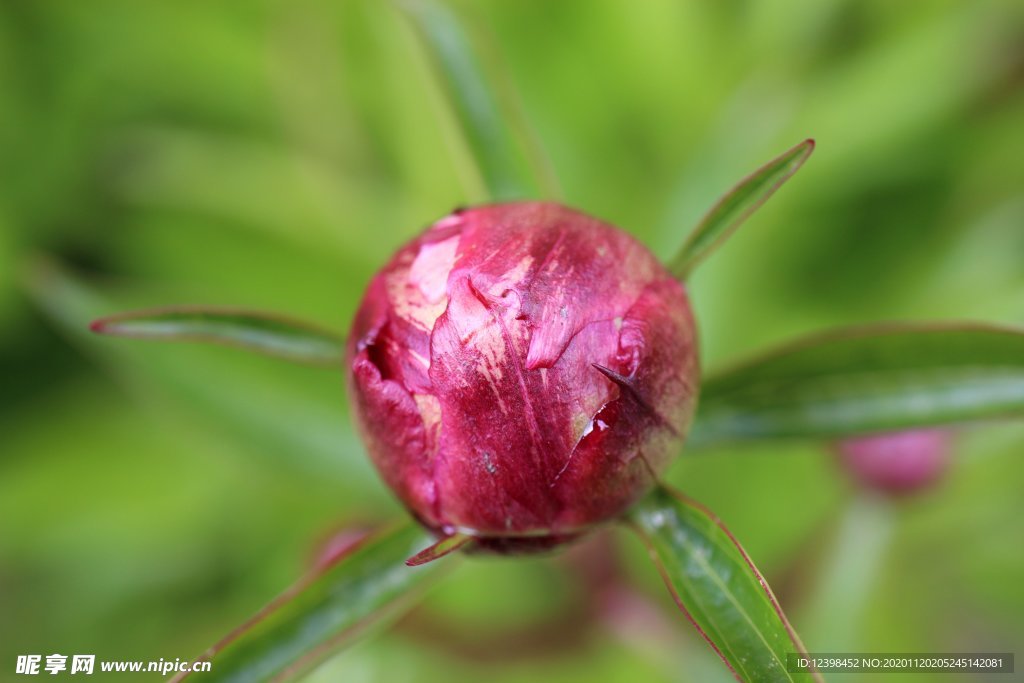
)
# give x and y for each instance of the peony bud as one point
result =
(898, 462)
(521, 372)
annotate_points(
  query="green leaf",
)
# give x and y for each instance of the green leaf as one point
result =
(327, 611)
(718, 588)
(213, 393)
(261, 332)
(737, 206)
(508, 156)
(867, 379)
(441, 548)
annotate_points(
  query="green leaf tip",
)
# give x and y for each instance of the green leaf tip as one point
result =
(864, 380)
(718, 588)
(436, 551)
(328, 610)
(736, 206)
(265, 333)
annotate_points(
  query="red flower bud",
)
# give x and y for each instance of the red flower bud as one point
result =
(521, 372)
(898, 462)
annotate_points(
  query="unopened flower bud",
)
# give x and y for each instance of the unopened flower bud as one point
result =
(521, 372)
(897, 462)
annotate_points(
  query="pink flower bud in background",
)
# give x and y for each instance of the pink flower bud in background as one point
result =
(521, 372)
(898, 462)
(332, 547)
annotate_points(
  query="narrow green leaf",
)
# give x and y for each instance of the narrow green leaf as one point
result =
(737, 206)
(718, 588)
(867, 379)
(508, 156)
(209, 393)
(261, 332)
(445, 546)
(326, 611)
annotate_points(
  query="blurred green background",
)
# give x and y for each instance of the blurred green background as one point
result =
(272, 154)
